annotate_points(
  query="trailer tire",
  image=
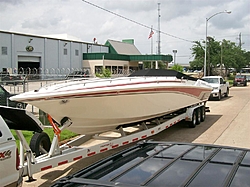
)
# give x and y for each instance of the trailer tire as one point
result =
(40, 143)
(198, 116)
(203, 113)
(219, 96)
(192, 124)
(20, 105)
(227, 93)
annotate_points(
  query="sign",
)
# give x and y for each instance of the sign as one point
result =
(29, 48)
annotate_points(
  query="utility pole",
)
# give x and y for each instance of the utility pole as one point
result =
(240, 40)
(159, 32)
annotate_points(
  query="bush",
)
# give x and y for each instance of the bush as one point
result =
(177, 67)
(104, 73)
(231, 76)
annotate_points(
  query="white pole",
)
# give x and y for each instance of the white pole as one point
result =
(159, 32)
(151, 47)
(205, 58)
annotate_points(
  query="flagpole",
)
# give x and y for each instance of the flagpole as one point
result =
(151, 47)
(151, 41)
(151, 36)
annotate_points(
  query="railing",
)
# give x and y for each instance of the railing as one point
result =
(17, 80)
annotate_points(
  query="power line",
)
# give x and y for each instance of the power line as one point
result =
(138, 23)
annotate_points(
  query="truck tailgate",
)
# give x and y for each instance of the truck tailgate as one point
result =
(20, 119)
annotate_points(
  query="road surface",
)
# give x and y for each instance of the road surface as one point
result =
(228, 123)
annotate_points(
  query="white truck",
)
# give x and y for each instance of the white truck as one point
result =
(9, 158)
(16, 164)
(220, 86)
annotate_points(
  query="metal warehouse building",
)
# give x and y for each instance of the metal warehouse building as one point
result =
(25, 53)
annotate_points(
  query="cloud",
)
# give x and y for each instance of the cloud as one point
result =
(11, 1)
(184, 19)
(44, 21)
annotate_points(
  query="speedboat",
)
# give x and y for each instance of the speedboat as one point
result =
(99, 105)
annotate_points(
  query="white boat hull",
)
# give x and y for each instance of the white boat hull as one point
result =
(103, 113)
(102, 105)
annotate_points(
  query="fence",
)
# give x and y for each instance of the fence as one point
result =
(27, 79)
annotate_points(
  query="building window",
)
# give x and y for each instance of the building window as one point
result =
(77, 52)
(4, 51)
(98, 69)
(65, 51)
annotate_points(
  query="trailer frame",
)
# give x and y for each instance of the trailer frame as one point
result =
(76, 149)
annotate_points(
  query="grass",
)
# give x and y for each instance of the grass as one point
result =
(65, 134)
(230, 82)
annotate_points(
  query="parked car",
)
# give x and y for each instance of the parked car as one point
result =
(240, 80)
(12, 79)
(220, 86)
(248, 78)
(167, 164)
(4, 99)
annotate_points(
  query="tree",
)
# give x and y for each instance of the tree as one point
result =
(198, 52)
(177, 67)
(247, 57)
(219, 54)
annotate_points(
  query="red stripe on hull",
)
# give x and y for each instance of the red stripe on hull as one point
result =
(189, 91)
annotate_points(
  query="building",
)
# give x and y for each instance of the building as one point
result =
(34, 54)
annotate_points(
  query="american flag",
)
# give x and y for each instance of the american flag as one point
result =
(151, 34)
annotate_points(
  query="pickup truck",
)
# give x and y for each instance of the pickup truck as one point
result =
(11, 170)
(220, 86)
(9, 158)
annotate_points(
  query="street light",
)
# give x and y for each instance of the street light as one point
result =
(205, 59)
(174, 51)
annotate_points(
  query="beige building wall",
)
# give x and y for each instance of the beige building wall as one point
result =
(112, 64)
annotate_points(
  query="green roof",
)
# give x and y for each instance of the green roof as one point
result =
(125, 51)
(143, 58)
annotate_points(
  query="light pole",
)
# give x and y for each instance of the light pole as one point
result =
(174, 51)
(221, 59)
(205, 58)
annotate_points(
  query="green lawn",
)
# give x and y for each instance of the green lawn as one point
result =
(66, 134)
(230, 82)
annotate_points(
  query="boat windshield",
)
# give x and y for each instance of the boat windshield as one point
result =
(211, 80)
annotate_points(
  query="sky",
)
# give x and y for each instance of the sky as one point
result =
(181, 21)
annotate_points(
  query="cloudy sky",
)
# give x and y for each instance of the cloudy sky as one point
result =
(181, 21)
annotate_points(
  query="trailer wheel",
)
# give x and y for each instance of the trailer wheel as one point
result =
(198, 116)
(192, 124)
(219, 96)
(227, 93)
(20, 105)
(203, 113)
(40, 143)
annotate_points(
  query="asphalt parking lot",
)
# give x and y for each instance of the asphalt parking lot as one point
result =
(228, 123)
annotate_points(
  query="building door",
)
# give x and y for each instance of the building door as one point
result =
(29, 64)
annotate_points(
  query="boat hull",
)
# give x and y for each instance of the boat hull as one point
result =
(98, 113)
